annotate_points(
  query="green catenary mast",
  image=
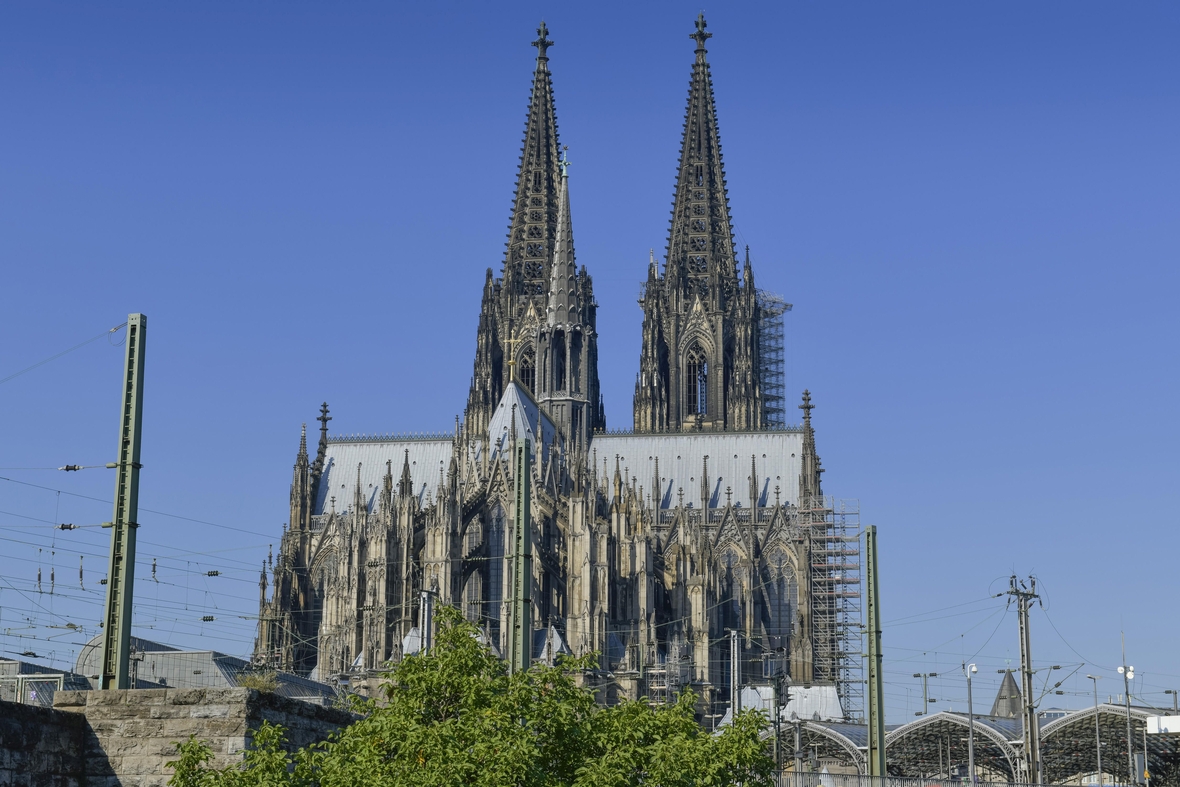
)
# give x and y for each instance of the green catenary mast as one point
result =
(116, 636)
(521, 632)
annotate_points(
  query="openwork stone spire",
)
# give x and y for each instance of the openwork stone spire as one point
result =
(699, 364)
(700, 241)
(563, 304)
(533, 227)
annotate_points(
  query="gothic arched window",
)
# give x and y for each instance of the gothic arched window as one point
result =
(528, 370)
(559, 383)
(696, 381)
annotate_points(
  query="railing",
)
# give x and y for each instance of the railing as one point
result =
(804, 779)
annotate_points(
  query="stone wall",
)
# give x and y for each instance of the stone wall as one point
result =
(128, 736)
(40, 747)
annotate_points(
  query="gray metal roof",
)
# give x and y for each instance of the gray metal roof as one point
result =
(682, 456)
(156, 665)
(428, 456)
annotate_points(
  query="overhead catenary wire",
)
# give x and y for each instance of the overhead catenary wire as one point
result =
(54, 357)
(141, 508)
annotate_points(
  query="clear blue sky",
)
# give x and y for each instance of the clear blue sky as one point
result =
(973, 207)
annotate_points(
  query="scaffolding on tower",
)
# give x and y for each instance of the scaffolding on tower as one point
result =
(771, 377)
(834, 529)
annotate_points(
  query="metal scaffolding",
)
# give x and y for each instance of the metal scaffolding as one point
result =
(771, 376)
(834, 526)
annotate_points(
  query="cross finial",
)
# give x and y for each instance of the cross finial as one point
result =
(542, 43)
(565, 160)
(807, 407)
(324, 417)
(700, 36)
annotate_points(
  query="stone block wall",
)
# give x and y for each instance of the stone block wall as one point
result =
(40, 747)
(130, 735)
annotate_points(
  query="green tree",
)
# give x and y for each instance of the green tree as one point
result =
(456, 717)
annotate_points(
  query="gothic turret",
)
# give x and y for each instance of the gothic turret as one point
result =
(810, 469)
(566, 343)
(301, 484)
(699, 363)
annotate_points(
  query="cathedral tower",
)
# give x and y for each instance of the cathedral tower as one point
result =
(519, 310)
(699, 362)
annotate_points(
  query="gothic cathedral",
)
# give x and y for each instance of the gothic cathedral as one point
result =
(651, 543)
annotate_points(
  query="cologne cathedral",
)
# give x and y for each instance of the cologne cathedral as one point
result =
(652, 545)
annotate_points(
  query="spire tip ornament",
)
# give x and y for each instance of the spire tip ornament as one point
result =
(700, 35)
(542, 43)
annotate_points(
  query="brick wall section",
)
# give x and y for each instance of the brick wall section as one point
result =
(40, 747)
(130, 735)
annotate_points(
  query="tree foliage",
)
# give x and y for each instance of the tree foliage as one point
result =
(456, 717)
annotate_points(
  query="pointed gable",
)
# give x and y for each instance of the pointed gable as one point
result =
(517, 413)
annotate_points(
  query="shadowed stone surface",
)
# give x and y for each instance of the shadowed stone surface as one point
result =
(125, 738)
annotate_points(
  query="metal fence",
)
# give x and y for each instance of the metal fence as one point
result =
(33, 689)
(792, 779)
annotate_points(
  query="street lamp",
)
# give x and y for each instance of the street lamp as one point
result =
(1097, 736)
(969, 670)
(1128, 674)
(925, 676)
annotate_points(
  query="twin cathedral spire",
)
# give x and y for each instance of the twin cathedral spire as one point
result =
(699, 362)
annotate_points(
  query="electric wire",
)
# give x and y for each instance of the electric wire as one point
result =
(14, 375)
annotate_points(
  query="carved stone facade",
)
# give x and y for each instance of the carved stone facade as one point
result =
(649, 544)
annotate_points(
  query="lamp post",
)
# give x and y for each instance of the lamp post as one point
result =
(969, 670)
(1128, 674)
(1097, 735)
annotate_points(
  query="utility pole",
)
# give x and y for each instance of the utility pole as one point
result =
(1128, 673)
(1024, 596)
(116, 634)
(875, 756)
(925, 676)
(1097, 733)
(520, 643)
(1174, 694)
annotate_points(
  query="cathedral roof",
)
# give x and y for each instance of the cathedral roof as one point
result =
(426, 456)
(682, 456)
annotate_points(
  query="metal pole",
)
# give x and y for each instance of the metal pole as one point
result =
(735, 677)
(116, 635)
(1097, 734)
(876, 751)
(778, 732)
(426, 619)
(1146, 764)
(925, 676)
(1128, 672)
(1032, 731)
(969, 670)
(521, 642)
(798, 752)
